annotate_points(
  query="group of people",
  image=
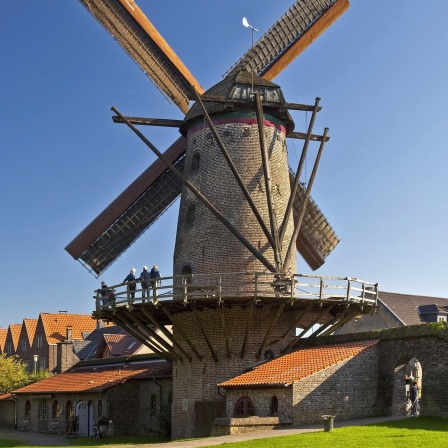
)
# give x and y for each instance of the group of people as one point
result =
(149, 279)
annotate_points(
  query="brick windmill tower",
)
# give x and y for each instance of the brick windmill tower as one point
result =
(235, 298)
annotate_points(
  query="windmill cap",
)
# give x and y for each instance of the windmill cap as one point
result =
(227, 88)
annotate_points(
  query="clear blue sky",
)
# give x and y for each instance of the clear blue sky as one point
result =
(381, 71)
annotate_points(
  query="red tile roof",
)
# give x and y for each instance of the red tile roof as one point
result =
(97, 379)
(30, 327)
(15, 330)
(55, 325)
(298, 365)
(3, 334)
(121, 344)
(6, 397)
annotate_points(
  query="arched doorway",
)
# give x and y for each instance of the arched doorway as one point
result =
(405, 373)
(83, 418)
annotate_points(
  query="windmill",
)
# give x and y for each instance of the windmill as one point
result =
(155, 190)
(234, 299)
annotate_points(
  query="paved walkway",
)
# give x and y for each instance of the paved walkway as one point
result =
(40, 439)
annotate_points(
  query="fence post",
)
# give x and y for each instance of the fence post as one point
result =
(348, 289)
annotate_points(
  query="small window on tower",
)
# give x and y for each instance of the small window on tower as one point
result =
(195, 163)
(190, 214)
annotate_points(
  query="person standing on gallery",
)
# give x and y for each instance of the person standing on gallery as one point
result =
(155, 279)
(144, 277)
(130, 280)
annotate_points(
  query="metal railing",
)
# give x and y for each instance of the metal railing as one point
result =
(226, 286)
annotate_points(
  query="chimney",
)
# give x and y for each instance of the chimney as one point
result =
(68, 333)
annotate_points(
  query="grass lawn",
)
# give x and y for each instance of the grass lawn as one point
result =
(407, 433)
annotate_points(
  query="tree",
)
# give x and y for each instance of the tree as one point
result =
(13, 374)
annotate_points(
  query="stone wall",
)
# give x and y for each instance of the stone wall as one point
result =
(347, 390)
(432, 355)
(198, 380)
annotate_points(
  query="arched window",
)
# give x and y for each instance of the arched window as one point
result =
(153, 406)
(54, 409)
(244, 408)
(195, 163)
(186, 270)
(100, 408)
(27, 409)
(68, 409)
(42, 411)
(274, 405)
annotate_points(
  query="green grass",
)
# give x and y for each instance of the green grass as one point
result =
(407, 433)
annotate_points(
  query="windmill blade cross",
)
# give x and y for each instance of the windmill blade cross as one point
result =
(146, 199)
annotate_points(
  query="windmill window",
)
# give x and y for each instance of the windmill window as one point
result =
(274, 405)
(244, 408)
(186, 270)
(190, 214)
(195, 163)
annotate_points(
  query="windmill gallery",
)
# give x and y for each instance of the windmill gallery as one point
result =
(235, 300)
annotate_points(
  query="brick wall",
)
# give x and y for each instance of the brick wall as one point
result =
(197, 380)
(347, 390)
(432, 355)
(205, 245)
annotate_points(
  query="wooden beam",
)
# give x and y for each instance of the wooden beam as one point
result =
(201, 197)
(329, 17)
(132, 331)
(178, 328)
(271, 327)
(248, 326)
(204, 333)
(224, 328)
(161, 43)
(268, 184)
(302, 136)
(155, 338)
(296, 323)
(149, 121)
(167, 334)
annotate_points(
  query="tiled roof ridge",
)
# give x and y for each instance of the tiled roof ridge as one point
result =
(78, 322)
(410, 295)
(390, 311)
(299, 364)
(437, 329)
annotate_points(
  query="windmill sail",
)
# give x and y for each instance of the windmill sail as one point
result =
(127, 217)
(289, 36)
(138, 37)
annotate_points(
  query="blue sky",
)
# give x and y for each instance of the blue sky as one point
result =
(380, 72)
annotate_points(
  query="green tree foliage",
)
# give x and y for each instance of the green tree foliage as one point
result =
(13, 374)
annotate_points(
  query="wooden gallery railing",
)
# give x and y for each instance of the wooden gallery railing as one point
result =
(226, 286)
